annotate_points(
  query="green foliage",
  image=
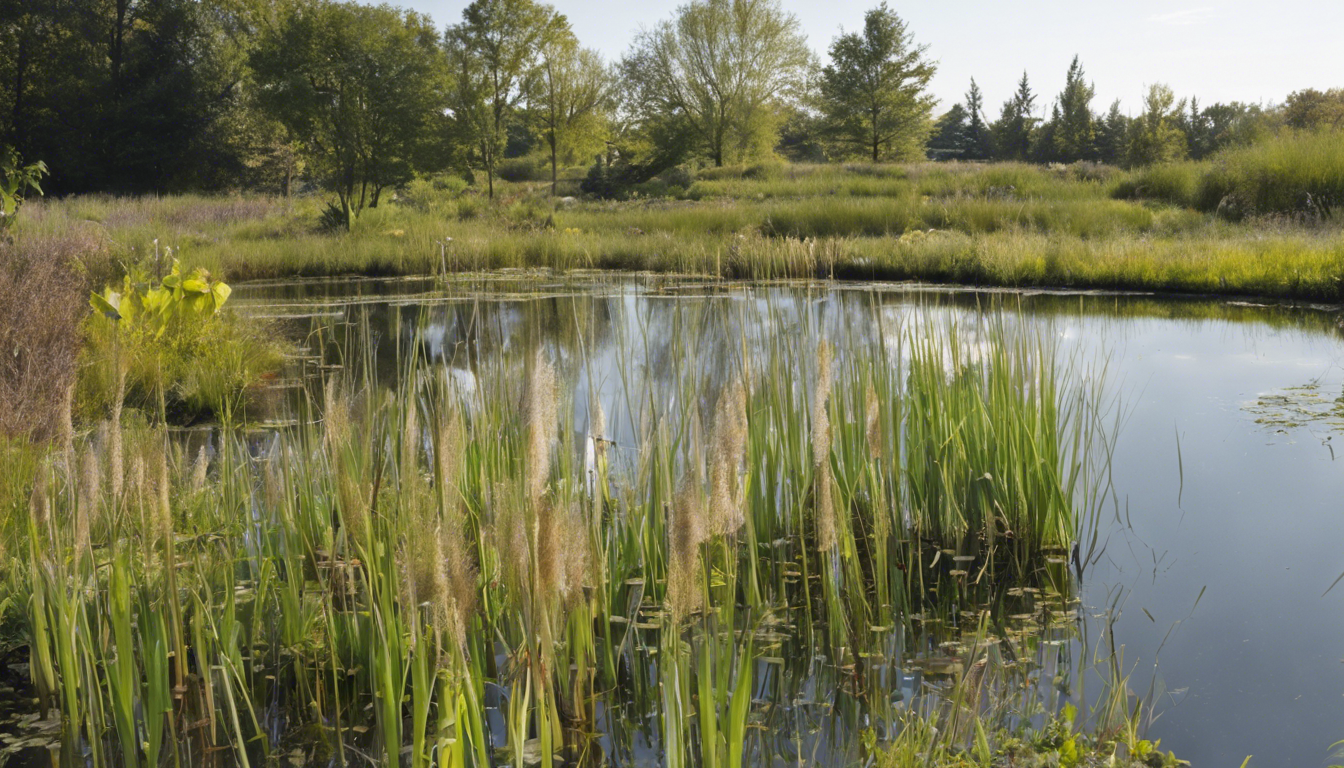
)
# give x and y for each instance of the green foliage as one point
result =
(16, 179)
(1016, 126)
(176, 351)
(722, 69)
(493, 55)
(1155, 136)
(142, 308)
(572, 89)
(874, 92)
(360, 86)
(1295, 174)
(1074, 135)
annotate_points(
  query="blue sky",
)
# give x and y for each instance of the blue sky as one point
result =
(1218, 50)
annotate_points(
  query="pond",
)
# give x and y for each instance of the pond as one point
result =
(1221, 537)
(465, 522)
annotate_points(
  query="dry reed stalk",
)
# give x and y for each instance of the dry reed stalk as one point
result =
(685, 532)
(825, 508)
(449, 449)
(821, 450)
(86, 508)
(199, 471)
(541, 422)
(727, 453)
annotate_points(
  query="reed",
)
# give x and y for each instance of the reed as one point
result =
(409, 554)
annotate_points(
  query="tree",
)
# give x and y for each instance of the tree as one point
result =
(874, 92)
(948, 141)
(1155, 136)
(1311, 109)
(1016, 124)
(502, 40)
(979, 142)
(721, 68)
(1074, 133)
(360, 85)
(1112, 132)
(569, 94)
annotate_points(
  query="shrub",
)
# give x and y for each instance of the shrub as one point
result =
(43, 297)
(523, 169)
(1175, 183)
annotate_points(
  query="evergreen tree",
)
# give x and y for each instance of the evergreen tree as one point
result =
(948, 141)
(1111, 133)
(1074, 133)
(979, 142)
(1013, 132)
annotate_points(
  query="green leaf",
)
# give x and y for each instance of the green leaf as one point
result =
(222, 292)
(106, 305)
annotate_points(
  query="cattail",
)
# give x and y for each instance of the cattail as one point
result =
(88, 500)
(685, 533)
(541, 426)
(873, 421)
(825, 508)
(726, 454)
(460, 572)
(821, 417)
(448, 451)
(821, 450)
(199, 470)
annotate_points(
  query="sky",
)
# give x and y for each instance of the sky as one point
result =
(1216, 50)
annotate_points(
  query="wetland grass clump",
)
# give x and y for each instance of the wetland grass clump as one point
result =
(419, 572)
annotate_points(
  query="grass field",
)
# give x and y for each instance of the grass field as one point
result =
(1004, 225)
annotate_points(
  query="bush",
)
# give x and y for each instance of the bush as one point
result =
(1175, 183)
(524, 169)
(1294, 173)
(187, 363)
(1297, 174)
(43, 297)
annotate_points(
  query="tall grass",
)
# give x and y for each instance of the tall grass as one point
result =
(1007, 225)
(1293, 174)
(368, 581)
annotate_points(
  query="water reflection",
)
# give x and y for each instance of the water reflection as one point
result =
(1215, 557)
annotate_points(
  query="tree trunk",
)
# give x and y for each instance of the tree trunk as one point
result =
(555, 174)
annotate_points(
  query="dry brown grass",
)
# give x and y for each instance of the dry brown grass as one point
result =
(44, 290)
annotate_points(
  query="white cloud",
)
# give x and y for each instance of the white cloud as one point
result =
(1183, 18)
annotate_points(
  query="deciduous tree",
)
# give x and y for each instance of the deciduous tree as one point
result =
(723, 68)
(360, 85)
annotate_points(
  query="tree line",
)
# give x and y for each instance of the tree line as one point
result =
(171, 95)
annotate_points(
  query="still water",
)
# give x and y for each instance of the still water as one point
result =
(1222, 534)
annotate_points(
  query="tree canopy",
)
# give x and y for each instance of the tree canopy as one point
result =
(875, 90)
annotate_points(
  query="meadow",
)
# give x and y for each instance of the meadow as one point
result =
(1199, 228)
